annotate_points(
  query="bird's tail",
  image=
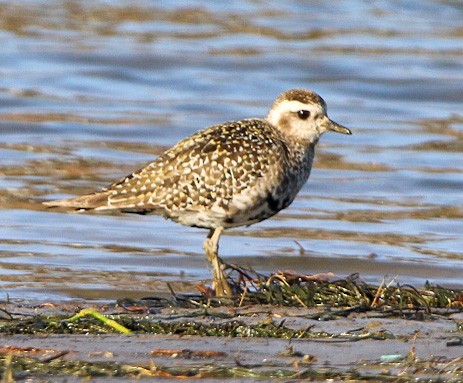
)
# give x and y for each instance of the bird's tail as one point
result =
(95, 201)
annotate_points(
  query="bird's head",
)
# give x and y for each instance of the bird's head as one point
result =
(301, 115)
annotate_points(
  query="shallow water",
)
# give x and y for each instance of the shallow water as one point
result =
(91, 91)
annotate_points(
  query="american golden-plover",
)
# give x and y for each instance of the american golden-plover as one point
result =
(232, 174)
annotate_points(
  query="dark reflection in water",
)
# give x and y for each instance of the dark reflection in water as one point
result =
(90, 91)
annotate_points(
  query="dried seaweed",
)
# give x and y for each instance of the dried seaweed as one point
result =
(292, 289)
(206, 315)
(442, 370)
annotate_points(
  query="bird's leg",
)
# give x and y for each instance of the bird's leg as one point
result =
(211, 247)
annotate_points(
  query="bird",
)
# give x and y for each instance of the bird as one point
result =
(231, 174)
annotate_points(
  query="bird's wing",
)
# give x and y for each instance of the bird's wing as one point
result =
(207, 168)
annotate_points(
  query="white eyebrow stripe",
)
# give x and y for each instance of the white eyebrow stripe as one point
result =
(295, 106)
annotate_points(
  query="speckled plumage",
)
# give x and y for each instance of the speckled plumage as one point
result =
(228, 175)
(232, 174)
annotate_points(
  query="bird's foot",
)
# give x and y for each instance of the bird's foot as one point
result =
(220, 284)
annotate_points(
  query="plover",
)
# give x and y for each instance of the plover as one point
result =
(232, 174)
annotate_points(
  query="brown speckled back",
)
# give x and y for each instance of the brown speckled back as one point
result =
(207, 171)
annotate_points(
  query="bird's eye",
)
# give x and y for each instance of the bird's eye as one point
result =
(303, 114)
